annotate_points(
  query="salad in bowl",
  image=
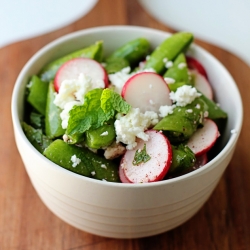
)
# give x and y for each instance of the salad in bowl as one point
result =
(136, 115)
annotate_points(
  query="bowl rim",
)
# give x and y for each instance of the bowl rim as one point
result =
(18, 129)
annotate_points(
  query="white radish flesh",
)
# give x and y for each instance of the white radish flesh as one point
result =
(73, 68)
(146, 91)
(202, 84)
(159, 149)
(204, 138)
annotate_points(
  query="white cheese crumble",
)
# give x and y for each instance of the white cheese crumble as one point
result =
(169, 64)
(166, 110)
(93, 173)
(169, 80)
(133, 125)
(75, 161)
(72, 92)
(104, 133)
(182, 65)
(184, 95)
(103, 166)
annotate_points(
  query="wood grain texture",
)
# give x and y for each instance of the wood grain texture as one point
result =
(223, 223)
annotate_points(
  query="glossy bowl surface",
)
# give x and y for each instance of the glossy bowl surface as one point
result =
(121, 210)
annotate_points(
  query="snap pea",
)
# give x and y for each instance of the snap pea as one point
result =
(37, 95)
(37, 120)
(101, 137)
(214, 111)
(53, 121)
(114, 65)
(134, 51)
(94, 51)
(182, 159)
(90, 164)
(36, 137)
(183, 122)
(179, 70)
(168, 50)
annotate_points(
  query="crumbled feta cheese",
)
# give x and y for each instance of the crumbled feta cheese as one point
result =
(104, 133)
(75, 161)
(165, 60)
(93, 173)
(72, 92)
(166, 110)
(118, 79)
(206, 114)
(133, 125)
(184, 95)
(189, 111)
(65, 112)
(103, 166)
(168, 64)
(182, 65)
(169, 80)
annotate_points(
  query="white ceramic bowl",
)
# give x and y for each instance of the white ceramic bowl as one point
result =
(121, 210)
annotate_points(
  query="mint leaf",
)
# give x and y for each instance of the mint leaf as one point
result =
(141, 155)
(112, 101)
(99, 106)
(89, 115)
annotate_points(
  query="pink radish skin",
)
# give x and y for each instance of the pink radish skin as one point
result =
(204, 138)
(146, 91)
(159, 149)
(73, 68)
(202, 84)
(200, 161)
(195, 64)
(122, 176)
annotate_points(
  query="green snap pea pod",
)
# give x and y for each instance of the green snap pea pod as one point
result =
(101, 137)
(37, 95)
(94, 51)
(37, 120)
(174, 86)
(169, 49)
(182, 159)
(214, 111)
(36, 137)
(134, 51)
(53, 121)
(86, 162)
(114, 65)
(179, 70)
(183, 122)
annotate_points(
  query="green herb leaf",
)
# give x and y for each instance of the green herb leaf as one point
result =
(89, 115)
(99, 107)
(112, 101)
(141, 156)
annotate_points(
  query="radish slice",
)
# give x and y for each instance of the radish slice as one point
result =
(202, 84)
(195, 64)
(204, 138)
(122, 176)
(73, 68)
(146, 91)
(160, 152)
(200, 161)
